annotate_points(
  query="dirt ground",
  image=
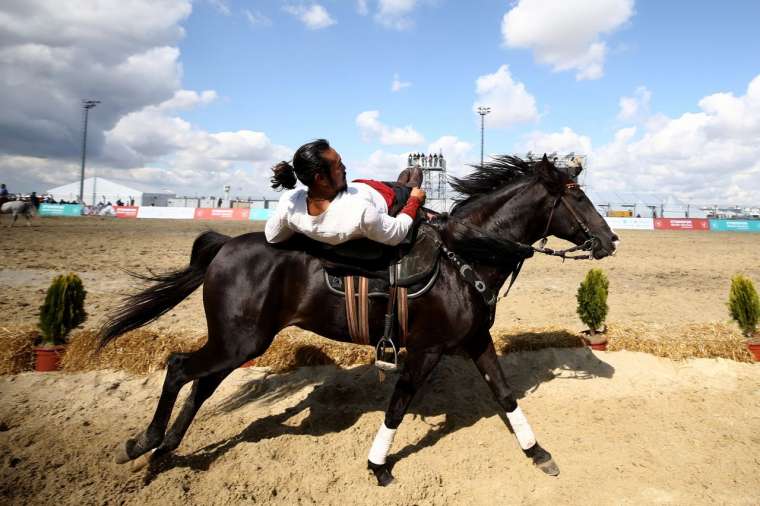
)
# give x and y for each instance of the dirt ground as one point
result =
(625, 428)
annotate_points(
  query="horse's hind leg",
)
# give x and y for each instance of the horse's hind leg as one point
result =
(203, 388)
(211, 360)
(417, 368)
(483, 353)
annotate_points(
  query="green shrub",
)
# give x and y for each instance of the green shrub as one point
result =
(592, 299)
(744, 304)
(63, 309)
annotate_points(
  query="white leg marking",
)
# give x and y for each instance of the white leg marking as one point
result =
(381, 445)
(522, 429)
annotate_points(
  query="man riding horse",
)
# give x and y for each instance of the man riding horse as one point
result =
(333, 211)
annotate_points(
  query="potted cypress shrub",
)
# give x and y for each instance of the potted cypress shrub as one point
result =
(62, 310)
(593, 309)
(744, 307)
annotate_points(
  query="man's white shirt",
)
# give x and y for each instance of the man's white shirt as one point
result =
(360, 211)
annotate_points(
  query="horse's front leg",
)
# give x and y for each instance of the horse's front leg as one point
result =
(483, 353)
(417, 368)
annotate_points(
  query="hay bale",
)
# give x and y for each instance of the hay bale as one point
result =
(140, 351)
(679, 342)
(294, 348)
(506, 341)
(16, 349)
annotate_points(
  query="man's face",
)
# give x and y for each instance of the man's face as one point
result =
(337, 175)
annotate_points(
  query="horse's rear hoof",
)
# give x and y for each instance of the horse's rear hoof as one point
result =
(141, 462)
(381, 472)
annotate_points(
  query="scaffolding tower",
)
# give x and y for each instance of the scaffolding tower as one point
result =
(434, 179)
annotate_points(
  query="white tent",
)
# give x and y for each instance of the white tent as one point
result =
(104, 191)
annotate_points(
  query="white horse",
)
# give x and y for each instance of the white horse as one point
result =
(17, 207)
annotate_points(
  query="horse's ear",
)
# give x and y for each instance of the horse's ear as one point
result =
(545, 158)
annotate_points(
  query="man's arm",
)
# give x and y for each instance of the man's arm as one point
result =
(277, 229)
(384, 228)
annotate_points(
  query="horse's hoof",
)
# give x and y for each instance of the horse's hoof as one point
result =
(542, 459)
(549, 467)
(122, 457)
(141, 461)
(381, 472)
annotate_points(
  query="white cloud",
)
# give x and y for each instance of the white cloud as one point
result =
(706, 157)
(135, 133)
(566, 35)
(397, 84)
(563, 142)
(255, 18)
(362, 8)
(394, 14)
(457, 153)
(314, 16)
(42, 50)
(380, 165)
(372, 129)
(509, 101)
(636, 107)
(187, 99)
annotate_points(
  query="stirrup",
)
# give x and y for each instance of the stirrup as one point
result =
(381, 355)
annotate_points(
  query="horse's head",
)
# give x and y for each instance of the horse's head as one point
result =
(570, 213)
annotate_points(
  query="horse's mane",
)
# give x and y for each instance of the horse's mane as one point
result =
(498, 172)
(501, 170)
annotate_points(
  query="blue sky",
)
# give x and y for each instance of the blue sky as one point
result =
(660, 95)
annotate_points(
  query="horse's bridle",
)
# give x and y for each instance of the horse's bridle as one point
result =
(587, 246)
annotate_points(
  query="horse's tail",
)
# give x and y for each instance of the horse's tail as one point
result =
(167, 290)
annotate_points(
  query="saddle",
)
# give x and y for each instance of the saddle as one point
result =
(362, 269)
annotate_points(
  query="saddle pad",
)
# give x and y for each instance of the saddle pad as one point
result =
(380, 287)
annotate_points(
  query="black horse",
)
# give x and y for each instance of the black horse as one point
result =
(252, 290)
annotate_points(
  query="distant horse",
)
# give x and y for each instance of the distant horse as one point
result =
(253, 289)
(21, 207)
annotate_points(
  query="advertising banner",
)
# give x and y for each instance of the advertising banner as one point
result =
(735, 225)
(260, 214)
(204, 213)
(681, 224)
(60, 210)
(167, 213)
(126, 211)
(630, 223)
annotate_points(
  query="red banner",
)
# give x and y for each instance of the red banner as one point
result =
(126, 211)
(235, 213)
(681, 224)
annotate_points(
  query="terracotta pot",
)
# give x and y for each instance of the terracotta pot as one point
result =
(48, 358)
(754, 349)
(596, 341)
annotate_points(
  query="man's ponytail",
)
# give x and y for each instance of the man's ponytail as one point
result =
(284, 176)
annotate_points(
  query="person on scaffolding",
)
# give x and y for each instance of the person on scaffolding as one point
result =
(332, 211)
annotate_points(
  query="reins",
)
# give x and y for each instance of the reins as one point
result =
(521, 250)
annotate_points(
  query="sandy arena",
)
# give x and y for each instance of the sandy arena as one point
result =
(624, 427)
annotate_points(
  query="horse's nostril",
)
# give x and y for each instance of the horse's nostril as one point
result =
(615, 239)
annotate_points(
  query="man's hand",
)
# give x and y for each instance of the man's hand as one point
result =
(418, 193)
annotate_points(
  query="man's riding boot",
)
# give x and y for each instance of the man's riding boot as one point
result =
(411, 177)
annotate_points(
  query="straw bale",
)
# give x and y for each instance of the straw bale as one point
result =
(145, 350)
(16, 349)
(294, 348)
(140, 351)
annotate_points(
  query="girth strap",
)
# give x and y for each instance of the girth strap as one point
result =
(357, 309)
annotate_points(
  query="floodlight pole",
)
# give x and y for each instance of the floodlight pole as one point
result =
(86, 105)
(482, 111)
